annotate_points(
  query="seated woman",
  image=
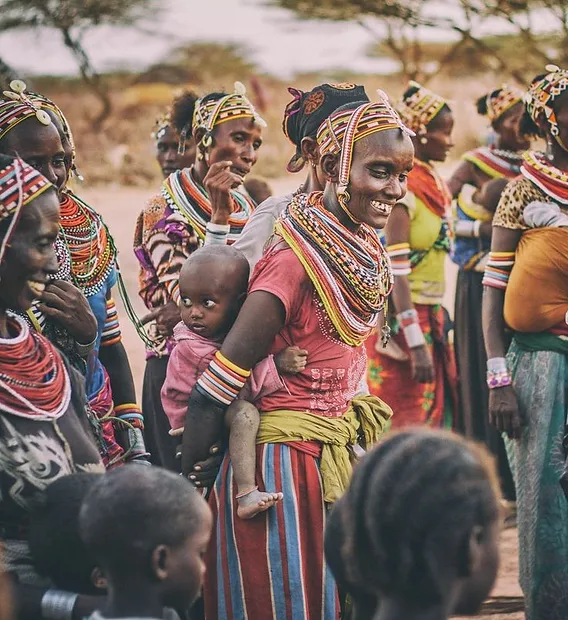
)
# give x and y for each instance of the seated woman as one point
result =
(44, 430)
(197, 205)
(87, 273)
(427, 548)
(321, 286)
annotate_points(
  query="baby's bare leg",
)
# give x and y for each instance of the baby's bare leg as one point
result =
(243, 420)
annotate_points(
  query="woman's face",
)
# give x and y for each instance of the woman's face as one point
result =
(39, 146)
(30, 259)
(379, 173)
(508, 126)
(438, 138)
(167, 151)
(237, 141)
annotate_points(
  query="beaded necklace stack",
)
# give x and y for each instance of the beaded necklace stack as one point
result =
(350, 271)
(429, 187)
(93, 253)
(34, 382)
(496, 163)
(185, 196)
(551, 180)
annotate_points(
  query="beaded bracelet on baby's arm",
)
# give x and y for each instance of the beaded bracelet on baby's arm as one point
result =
(497, 373)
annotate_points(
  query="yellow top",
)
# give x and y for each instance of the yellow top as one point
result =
(427, 279)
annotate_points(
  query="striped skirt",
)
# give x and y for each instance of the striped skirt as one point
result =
(272, 566)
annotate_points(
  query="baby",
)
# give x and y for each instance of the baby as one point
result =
(212, 285)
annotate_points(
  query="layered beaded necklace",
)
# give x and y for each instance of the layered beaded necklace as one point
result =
(351, 272)
(551, 180)
(34, 382)
(186, 196)
(496, 163)
(427, 185)
(93, 253)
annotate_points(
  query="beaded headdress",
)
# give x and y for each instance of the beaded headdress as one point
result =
(162, 123)
(420, 108)
(208, 114)
(506, 97)
(342, 129)
(19, 185)
(543, 92)
(17, 106)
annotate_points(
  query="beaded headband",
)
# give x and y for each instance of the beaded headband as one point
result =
(19, 185)
(16, 106)
(342, 129)
(208, 114)
(506, 98)
(543, 92)
(420, 108)
(162, 123)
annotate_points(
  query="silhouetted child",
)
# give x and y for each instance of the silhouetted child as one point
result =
(55, 543)
(418, 528)
(213, 284)
(148, 529)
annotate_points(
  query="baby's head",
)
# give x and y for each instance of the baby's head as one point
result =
(213, 285)
(148, 528)
(421, 522)
(55, 544)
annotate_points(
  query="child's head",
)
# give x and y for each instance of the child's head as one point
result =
(55, 543)
(422, 522)
(213, 284)
(149, 527)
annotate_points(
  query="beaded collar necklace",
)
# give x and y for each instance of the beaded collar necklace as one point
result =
(351, 272)
(34, 382)
(551, 180)
(496, 163)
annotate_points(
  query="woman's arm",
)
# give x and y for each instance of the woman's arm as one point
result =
(462, 175)
(398, 232)
(28, 603)
(250, 339)
(503, 408)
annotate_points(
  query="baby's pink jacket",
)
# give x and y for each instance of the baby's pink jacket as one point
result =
(190, 357)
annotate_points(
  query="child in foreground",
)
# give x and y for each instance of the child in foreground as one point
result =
(147, 529)
(212, 285)
(418, 529)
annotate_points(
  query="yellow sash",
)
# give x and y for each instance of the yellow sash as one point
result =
(366, 420)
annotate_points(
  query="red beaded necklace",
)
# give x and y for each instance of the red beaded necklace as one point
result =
(551, 180)
(34, 382)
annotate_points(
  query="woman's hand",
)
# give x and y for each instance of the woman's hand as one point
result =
(205, 472)
(219, 181)
(291, 360)
(66, 304)
(422, 364)
(166, 318)
(504, 412)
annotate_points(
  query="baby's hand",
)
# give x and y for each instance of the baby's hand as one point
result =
(291, 360)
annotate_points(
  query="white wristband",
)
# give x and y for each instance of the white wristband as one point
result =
(218, 228)
(476, 228)
(465, 229)
(216, 234)
(413, 336)
(496, 365)
(58, 605)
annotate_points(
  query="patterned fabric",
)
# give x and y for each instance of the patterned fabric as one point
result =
(542, 94)
(540, 380)
(162, 242)
(272, 566)
(515, 197)
(414, 403)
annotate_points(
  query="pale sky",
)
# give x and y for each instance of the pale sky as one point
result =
(278, 43)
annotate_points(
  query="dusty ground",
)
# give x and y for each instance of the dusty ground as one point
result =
(120, 207)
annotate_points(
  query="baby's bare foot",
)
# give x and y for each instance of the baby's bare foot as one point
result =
(255, 502)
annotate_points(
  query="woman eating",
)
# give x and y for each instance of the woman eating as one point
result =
(416, 374)
(44, 430)
(525, 289)
(477, 184)
(321, 285)
(302, 119)
(200, 204)
(78, 304)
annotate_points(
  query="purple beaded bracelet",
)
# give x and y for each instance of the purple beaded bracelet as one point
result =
(498, 379)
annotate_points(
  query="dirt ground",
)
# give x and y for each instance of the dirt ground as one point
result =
(120, 207)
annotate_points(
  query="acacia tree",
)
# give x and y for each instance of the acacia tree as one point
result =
(72, 19)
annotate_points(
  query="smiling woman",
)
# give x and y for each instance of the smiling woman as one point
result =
(415, 373)
(321, 286)
(44, 429)
(198, 205)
